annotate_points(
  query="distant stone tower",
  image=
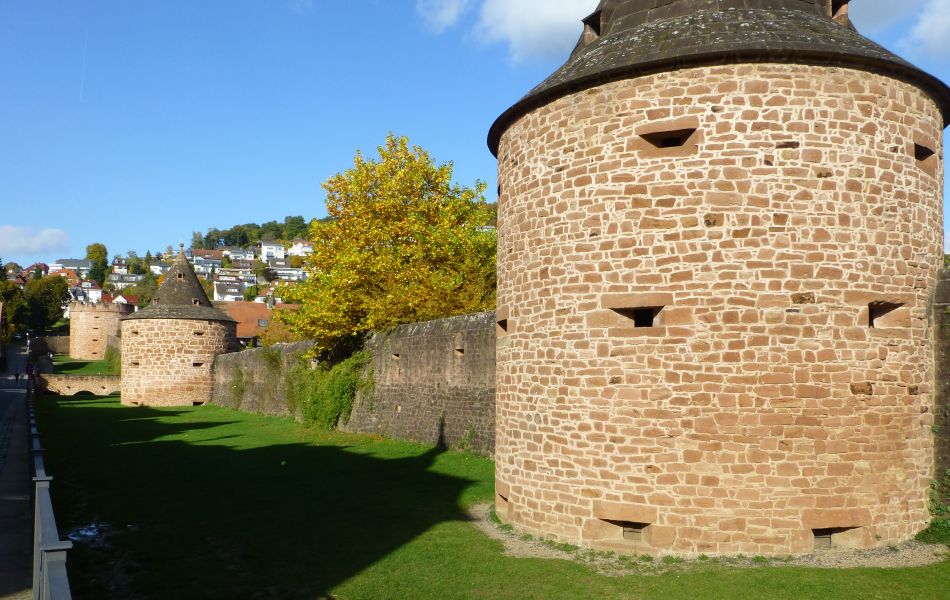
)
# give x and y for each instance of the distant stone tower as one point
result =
(720, 226)
(168, 348)
(90, 325)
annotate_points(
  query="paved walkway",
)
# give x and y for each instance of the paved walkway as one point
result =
(16, 518)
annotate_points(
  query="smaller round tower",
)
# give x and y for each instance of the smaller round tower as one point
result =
(168, 348)
(90, 325)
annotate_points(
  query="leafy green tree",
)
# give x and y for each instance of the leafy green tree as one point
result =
(99, 255)
(46, 298)
(404, 244)
(136, 265)
(12, 266)
(197, 241)
(294, 228)
(143, 290)
(208, 286)
(15, 310)
(272, 231)
(250, 292)
(97, 252)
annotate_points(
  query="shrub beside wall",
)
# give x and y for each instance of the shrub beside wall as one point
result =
(255, 381)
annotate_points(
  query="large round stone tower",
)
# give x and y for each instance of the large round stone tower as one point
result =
(169, 347)
(90, 326)
(720, 226)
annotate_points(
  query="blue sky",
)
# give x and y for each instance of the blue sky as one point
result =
(136, 122)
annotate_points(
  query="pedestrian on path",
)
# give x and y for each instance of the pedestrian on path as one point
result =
(17, 376)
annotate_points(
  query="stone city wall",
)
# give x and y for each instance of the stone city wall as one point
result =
(942, 404)
(431, 381)
(255, 380)
(68, 385)
(114, 342)
(57, 344)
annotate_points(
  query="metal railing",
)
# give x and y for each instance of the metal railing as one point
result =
(50, 581)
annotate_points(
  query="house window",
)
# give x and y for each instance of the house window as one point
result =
(262, 322)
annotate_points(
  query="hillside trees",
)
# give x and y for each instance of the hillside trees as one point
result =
(248, 234)
(15, 311)
(46, 297)
(402, 244)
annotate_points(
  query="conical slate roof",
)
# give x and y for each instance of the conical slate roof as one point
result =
(630, 38)
(181, 297)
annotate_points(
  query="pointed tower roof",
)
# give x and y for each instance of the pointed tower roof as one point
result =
(630, 38)
(181, 297)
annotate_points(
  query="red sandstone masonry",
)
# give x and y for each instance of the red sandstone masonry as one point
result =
(168, 362)
(760, 405)
(90, 325)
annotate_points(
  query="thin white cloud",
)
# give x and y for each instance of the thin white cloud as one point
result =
(874, 16)
(439, 15)
(928, 37)
(24, 240)
(533, 29)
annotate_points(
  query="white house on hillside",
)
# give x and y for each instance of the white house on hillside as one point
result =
(271, 250)
(239, 253)
(300, 248)
(229, 291)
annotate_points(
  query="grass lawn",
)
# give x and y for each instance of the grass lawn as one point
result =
(209, 503)
(64, 365)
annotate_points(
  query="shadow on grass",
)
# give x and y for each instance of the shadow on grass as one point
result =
(192, 517)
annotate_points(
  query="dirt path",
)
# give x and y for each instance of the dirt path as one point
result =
(909, 554)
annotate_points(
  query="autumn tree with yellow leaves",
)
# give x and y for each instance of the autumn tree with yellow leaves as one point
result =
(402, 244)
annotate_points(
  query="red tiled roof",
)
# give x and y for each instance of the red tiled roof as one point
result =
(248, 315)
(110, 298)
(71, 276)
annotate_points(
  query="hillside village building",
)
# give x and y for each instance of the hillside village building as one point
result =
(720, 226)
(169, 347)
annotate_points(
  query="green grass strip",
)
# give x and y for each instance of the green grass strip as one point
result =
(210, 503)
